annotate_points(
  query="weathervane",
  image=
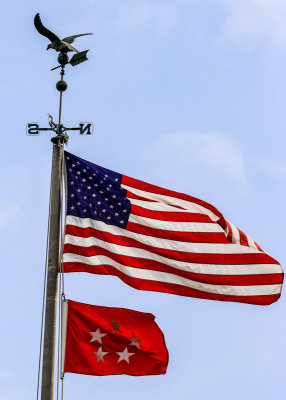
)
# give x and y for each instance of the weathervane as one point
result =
(62, 46)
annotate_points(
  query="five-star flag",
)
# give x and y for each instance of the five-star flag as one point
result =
(92, 346)
(157, 239)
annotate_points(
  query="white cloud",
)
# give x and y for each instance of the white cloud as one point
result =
(244, 22)
(198, 162)
(254, 20)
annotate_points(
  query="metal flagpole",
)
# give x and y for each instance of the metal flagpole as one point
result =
(48, 366)
(62, 47)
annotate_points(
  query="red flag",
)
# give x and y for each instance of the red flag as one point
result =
(111, 341)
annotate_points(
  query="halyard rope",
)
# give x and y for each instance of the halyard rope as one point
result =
(61, 293)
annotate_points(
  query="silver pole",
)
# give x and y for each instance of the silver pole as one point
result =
(48, 366)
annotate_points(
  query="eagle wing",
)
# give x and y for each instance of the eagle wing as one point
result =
(43, 30)
(71, 39)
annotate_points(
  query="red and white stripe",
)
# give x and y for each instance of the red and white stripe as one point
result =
(177, 244)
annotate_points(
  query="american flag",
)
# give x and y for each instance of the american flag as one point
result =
(160, 240)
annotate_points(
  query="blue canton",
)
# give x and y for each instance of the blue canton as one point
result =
(95, 192)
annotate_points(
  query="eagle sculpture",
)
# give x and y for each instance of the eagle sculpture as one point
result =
(57, 44)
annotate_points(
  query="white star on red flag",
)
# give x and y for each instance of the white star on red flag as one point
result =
(96, 336)
(100, 354)
(124, 355)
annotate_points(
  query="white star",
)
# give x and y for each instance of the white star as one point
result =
(89, 187)
(85, 197)
(125, 211)
(108, 217)
(73, 165)
(116, 179)
(106, 176)
(78, 163)
(84, 180)
(72, 183)
(72, 207)
(100, 354)
(119, 204)
(99, 203)
(122, 222)
(72, 195)
(116, 214)
(67, 158)
(111, 206)
(104, 210)
(84, 170)
(96, 336)
(114, 196)
(78, 203)
(78, 172)
(124, 355)
(78, 190)
(94, 195)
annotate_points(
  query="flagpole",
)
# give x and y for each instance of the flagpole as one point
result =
(48, 365)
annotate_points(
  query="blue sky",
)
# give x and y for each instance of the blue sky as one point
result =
(185, 94)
